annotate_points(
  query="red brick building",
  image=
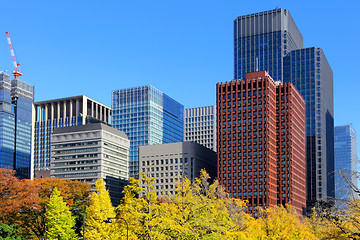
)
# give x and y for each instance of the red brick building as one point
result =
(261, 141)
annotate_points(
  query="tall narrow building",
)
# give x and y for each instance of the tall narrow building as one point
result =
(147, 116)
(312, 76)
(16, 98)
(51, 114)
(345, 160)
(271, 41)
(200, 126)
(261, 142)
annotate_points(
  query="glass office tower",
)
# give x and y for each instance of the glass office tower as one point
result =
(271, 41)
(345, 159)
(147, 116)
(261, 40)
(311, 74)
(16, 98)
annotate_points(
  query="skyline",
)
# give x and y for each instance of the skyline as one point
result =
(131, 40)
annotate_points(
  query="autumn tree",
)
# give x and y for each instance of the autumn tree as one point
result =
(283, 223)
(199, 210)
(100, 209)
(24, 201)
(59, 221)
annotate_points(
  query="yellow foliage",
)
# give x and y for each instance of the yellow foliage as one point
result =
(283, 223)
(100, 209)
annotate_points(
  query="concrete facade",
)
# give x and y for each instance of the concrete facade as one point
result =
(92, 151)
(170, 162)
(51, 114)
(200, 126)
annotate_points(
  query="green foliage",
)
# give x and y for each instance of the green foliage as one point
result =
(9, 232)
(100, 209)
(59, 221)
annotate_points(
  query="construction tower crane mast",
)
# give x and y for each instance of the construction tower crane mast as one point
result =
(16, 72)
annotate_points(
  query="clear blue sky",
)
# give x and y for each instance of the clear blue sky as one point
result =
(183, 48)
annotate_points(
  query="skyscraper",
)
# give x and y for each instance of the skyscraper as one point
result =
(16, 98)
(312, 76)
(200, 126)
(271, 41)
(345, 159)
(261, 141)
(50, 114)
(147, 116)
(261, 40)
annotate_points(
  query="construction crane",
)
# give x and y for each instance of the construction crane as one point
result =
(16, 72)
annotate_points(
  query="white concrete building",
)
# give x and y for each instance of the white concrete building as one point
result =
(200, 126)
(92, 151)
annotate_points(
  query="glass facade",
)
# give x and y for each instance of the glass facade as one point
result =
(262, 40)
(16, 98)
(311, 74)
(64, 112)
(147, 116)
(345, 159)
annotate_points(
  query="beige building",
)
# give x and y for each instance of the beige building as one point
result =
(51, 114)
(91, 151)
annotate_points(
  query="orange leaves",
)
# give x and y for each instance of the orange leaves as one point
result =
(24, 201)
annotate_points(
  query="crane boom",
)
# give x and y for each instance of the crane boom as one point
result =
(16, 72)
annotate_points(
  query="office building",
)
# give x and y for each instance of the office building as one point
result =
(200, 126)
(345, 160)
(51, 114)
(312, 76)
(148, 117)
(89, 152)
(261, 40)
(272, 42)
(171, 162)
(261, 141)
(16, 98)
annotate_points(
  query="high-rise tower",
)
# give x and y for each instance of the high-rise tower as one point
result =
(16, 98)
(345, 160)
(147, 116)
(271, 41)
(261, 141)
(261, 40)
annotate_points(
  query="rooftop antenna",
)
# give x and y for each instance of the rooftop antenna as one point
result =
(16, 72)
(257, 64)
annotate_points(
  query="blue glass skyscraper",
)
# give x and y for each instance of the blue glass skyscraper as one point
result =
(16, 98)
(147, 116)
(345, 159)
(271, 41)
(261, 40)
(312, 76)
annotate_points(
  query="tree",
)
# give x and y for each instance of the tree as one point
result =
(59, 221)
(283, 223)
(24, 201)
(199, 210)
(100, 209)
(9, 232)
